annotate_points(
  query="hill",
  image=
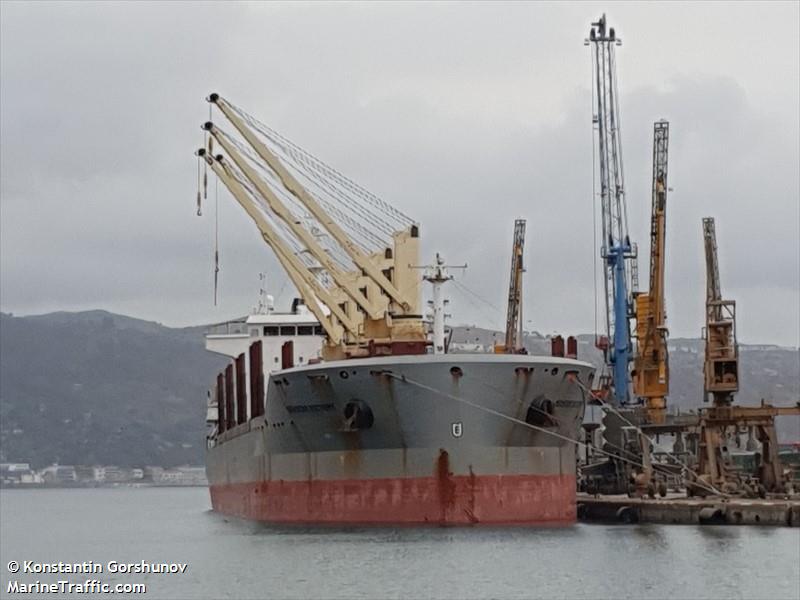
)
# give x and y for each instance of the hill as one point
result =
(765, 371)
(99, 388)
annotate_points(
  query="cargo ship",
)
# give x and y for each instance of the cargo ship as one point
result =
(348, 409)
(391, 440)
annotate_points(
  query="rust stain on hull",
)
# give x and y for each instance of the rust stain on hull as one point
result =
(445, 486)
(469, 500)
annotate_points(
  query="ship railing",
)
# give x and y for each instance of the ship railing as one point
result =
(237, 327)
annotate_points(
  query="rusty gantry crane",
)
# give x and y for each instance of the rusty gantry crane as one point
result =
(723, 419)
(651, 364)
(513, 340)
(721, 366)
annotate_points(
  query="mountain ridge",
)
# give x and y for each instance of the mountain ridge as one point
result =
(95, 387)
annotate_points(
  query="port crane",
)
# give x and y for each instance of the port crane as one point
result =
(723, 418)
(616, 248)
(622, 300)
(348, 253)
(721, 365)
(651, 364)
(513, 339)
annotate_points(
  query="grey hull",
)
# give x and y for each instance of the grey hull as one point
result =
(424, 425)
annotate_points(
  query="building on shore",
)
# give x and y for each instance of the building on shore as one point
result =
(18, 473)
(59, 474)
(15, 474)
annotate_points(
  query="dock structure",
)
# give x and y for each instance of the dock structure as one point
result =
(675, 509)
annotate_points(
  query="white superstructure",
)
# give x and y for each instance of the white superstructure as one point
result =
(274, 329)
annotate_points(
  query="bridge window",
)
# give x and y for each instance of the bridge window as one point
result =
(288, 330)
(254, 332)
(305, 330)
(318, 330)
(270, 330)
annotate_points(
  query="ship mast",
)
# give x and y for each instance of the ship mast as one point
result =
(437, 275)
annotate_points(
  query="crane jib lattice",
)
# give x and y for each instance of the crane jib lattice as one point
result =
(616, 248)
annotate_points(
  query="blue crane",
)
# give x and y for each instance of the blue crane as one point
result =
(616, 248)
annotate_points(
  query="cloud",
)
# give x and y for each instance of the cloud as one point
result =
(464, 116)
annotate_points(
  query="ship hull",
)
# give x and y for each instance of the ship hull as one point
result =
(454, 500)
(447, 444)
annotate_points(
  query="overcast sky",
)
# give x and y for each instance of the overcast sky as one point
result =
(464, 116)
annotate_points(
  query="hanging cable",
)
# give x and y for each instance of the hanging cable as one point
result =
(588, 392)
(332, 173)
(216, 237)
(709, 487)
(375, 233)
(594, 199)
(464, 288)
(280, 292)
(199, 205)
(288, 236)
(405, 379)
(206, 143)
(363, 237)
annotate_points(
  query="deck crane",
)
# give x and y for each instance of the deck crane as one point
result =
(513, 340)
(721, 366)
(651, 365)
(616, 249)
(348, 253)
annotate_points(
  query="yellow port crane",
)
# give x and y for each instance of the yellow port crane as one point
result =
(651, 363)
(513, 340)
(721, 366)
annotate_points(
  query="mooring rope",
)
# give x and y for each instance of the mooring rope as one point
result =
(405, 379)
(667, 453)
(497, 413)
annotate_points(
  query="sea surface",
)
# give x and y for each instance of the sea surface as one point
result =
(229, 558)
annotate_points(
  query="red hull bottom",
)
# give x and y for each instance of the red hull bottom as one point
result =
(454, 500)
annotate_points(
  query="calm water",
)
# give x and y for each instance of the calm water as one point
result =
(233, 559)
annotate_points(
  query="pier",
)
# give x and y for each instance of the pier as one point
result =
(675, 509)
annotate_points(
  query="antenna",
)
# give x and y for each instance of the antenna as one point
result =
(437, 274)
(264, 300)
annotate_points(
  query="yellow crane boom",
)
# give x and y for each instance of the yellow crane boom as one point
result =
(513, 338)
(362, 289)
(301, 277)
(651, 363)
(374, 308)
(291, 183)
